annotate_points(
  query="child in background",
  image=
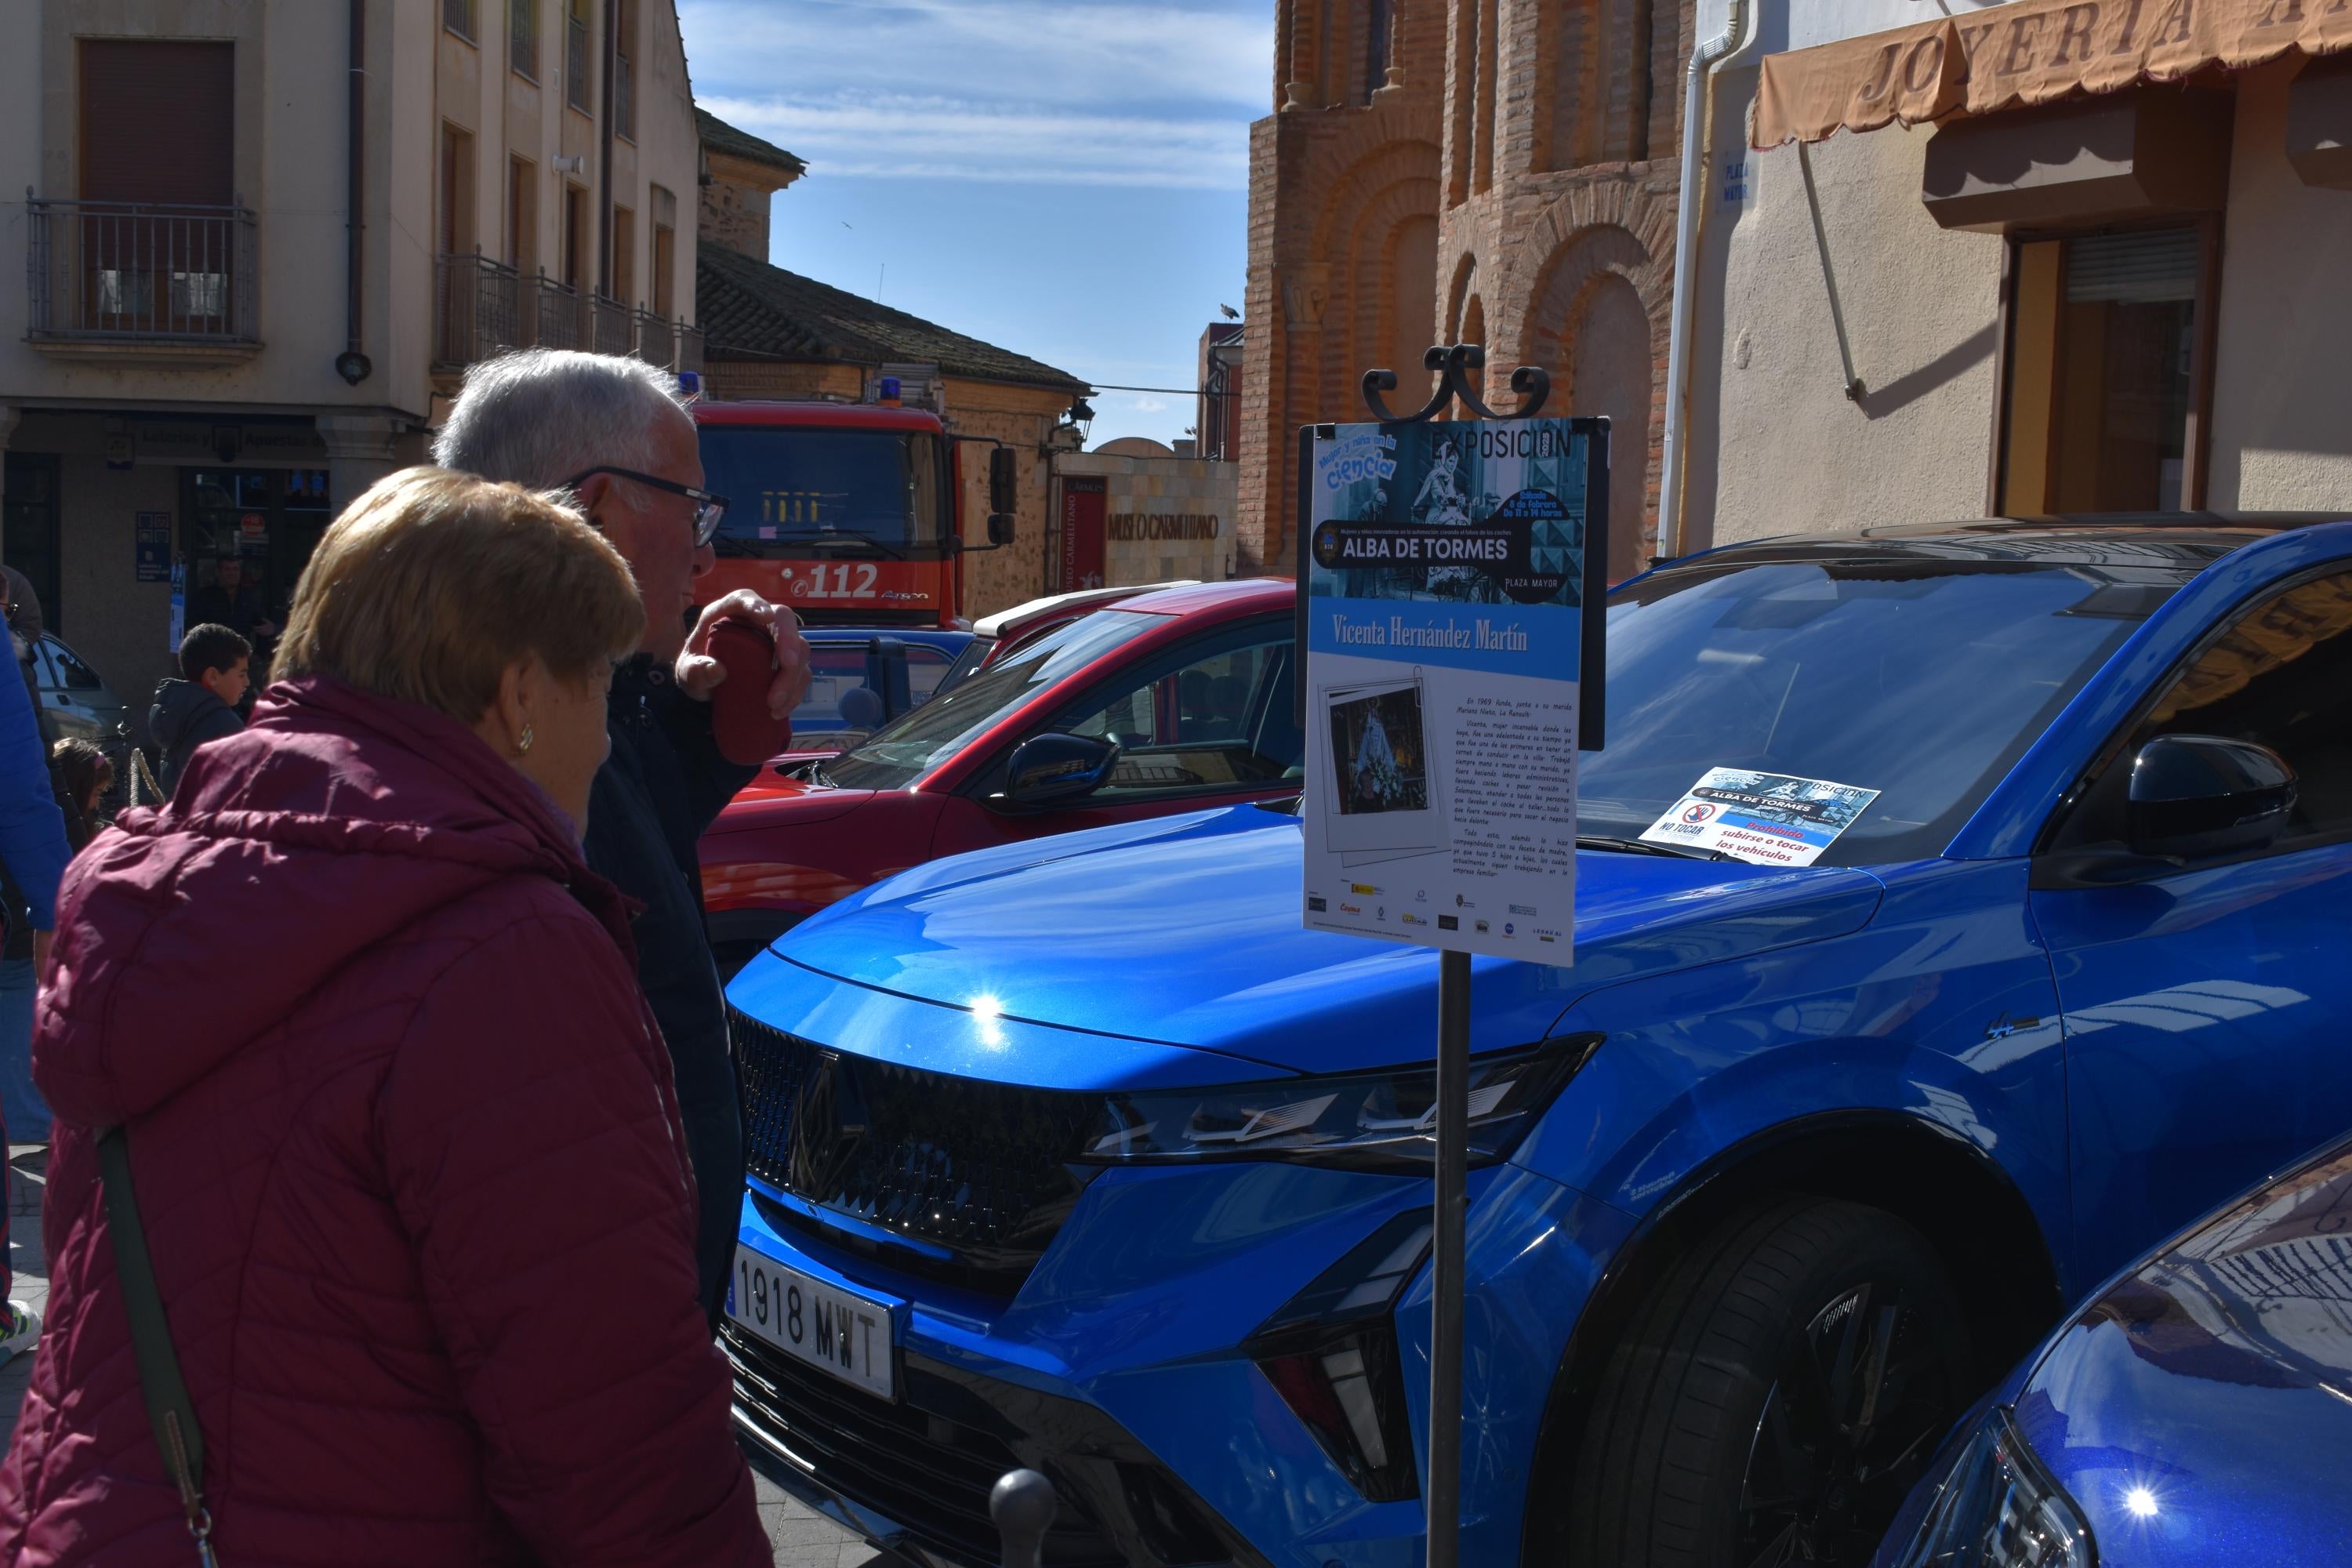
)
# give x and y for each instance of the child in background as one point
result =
(214, 662)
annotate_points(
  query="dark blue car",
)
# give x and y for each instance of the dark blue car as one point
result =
(1082, 1154)
(2198, 1411)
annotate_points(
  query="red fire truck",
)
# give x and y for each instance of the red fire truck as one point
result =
(850, 512)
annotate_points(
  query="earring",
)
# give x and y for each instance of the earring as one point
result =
(523, 745)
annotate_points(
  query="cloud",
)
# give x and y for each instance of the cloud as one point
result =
(1150, 406)
(930, 137)
(1052, 51)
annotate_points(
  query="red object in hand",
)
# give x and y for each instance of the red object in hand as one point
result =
(747, 733)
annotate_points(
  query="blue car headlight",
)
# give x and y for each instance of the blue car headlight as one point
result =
(1382, 1121)
(1998, 1508)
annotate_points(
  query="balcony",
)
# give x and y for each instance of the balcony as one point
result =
(482, 308)
(141, 281)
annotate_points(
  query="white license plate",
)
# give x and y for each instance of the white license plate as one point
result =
(822, 1325)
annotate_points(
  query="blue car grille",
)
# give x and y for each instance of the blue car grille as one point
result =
(976, 1175)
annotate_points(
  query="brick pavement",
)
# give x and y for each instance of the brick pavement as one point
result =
(802, 1539)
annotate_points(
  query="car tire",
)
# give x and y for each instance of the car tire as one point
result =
(1774, 1396)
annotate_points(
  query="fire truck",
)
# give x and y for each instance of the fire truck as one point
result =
(850, 512)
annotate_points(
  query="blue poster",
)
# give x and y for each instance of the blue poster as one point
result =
(1444, 582)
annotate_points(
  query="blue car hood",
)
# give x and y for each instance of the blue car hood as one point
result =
(2198, 1411)
(1185, 931)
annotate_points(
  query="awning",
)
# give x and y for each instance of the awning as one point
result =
(2026, 53)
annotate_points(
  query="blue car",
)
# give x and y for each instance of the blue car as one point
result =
(1081, 1154)
(2198, 1411)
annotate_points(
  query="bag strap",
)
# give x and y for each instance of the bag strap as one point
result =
(169, 1408)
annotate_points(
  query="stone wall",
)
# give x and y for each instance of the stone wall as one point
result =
(1166, 518)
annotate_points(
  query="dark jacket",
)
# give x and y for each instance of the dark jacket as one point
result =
(184, 717)
(403, 1144)
(662, 786)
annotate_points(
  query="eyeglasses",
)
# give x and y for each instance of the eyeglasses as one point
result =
(707, 508)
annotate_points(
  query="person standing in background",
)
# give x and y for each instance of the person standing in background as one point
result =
(83, 773)
(615, 433)
(33, 851)
(215, 664)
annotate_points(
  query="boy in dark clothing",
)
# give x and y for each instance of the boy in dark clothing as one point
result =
(203, 707)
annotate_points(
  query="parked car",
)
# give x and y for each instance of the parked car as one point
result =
(860, 679)
(994, 635)
(76, 703)
(1116, 1170)
(2197, 1411)
(1169, 701)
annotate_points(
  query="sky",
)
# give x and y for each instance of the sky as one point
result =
(1064, 178)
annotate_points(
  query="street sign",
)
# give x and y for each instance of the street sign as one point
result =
(1446, 579)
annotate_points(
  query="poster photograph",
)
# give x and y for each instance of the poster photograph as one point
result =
(1446, 579)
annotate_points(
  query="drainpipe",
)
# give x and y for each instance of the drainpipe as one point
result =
(604, 164)
(352, 364)
(1697, 96)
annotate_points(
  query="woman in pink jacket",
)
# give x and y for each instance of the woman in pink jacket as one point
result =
(399, 1126)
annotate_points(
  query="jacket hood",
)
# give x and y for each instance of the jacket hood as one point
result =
(1188, 930)
(334, 822)
(178, 705)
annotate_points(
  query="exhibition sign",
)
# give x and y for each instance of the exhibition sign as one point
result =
(1448, 572)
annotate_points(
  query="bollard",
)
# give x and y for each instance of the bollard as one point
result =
(1023, 1506)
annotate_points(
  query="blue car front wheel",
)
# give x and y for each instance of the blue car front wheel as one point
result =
(1778, 1392)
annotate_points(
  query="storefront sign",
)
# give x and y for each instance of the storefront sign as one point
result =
(1159, 525)
(152, 532)
(1444, 636)
(254, 528)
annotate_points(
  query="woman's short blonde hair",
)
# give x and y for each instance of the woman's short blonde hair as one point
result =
(429, 587)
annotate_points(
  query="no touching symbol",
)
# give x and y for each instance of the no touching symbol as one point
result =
(1700, 812)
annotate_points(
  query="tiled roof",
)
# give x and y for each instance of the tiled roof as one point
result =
(752, 311)
(720, 137)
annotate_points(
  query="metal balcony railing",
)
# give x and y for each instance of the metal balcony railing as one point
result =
(476, 309)
(555, 314)
(482, 308)
(140, 272)
(609, 327)
(656, 339)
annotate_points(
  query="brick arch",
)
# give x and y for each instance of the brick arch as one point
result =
(1458, 294)
(1388, 163)
(1585, 267)
(1355, 341)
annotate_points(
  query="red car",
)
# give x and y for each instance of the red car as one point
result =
(1170, 700)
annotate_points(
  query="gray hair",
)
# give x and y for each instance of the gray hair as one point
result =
(538, 416)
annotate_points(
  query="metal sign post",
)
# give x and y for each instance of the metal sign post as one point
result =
(1523, 544)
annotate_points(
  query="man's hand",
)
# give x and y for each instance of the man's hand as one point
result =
(699, 674)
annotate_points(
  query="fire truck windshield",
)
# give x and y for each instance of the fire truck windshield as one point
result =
(804, 488)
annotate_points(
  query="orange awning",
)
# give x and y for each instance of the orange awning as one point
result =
(2025, 53)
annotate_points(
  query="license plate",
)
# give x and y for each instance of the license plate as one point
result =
(822, 1325)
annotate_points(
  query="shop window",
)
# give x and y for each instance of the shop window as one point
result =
(2103, 409)
(268, 520)
(29, 541)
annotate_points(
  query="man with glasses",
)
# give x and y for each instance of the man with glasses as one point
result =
(615, 433)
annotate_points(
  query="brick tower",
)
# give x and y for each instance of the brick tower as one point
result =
(1501, 171)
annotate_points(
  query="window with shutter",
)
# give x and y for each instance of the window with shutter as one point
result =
(155, 239)
(2103, 406)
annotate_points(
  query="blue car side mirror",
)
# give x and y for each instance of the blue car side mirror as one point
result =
(1049, 769)
(2195, 796)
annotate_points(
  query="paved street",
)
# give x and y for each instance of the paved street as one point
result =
(802, 1538)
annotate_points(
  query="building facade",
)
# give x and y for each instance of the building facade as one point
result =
(1133, 512)
(2090, 259)
(209, 358)
(1502, 171)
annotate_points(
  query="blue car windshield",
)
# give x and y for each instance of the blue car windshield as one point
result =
(901, 752)
(1924, 679)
